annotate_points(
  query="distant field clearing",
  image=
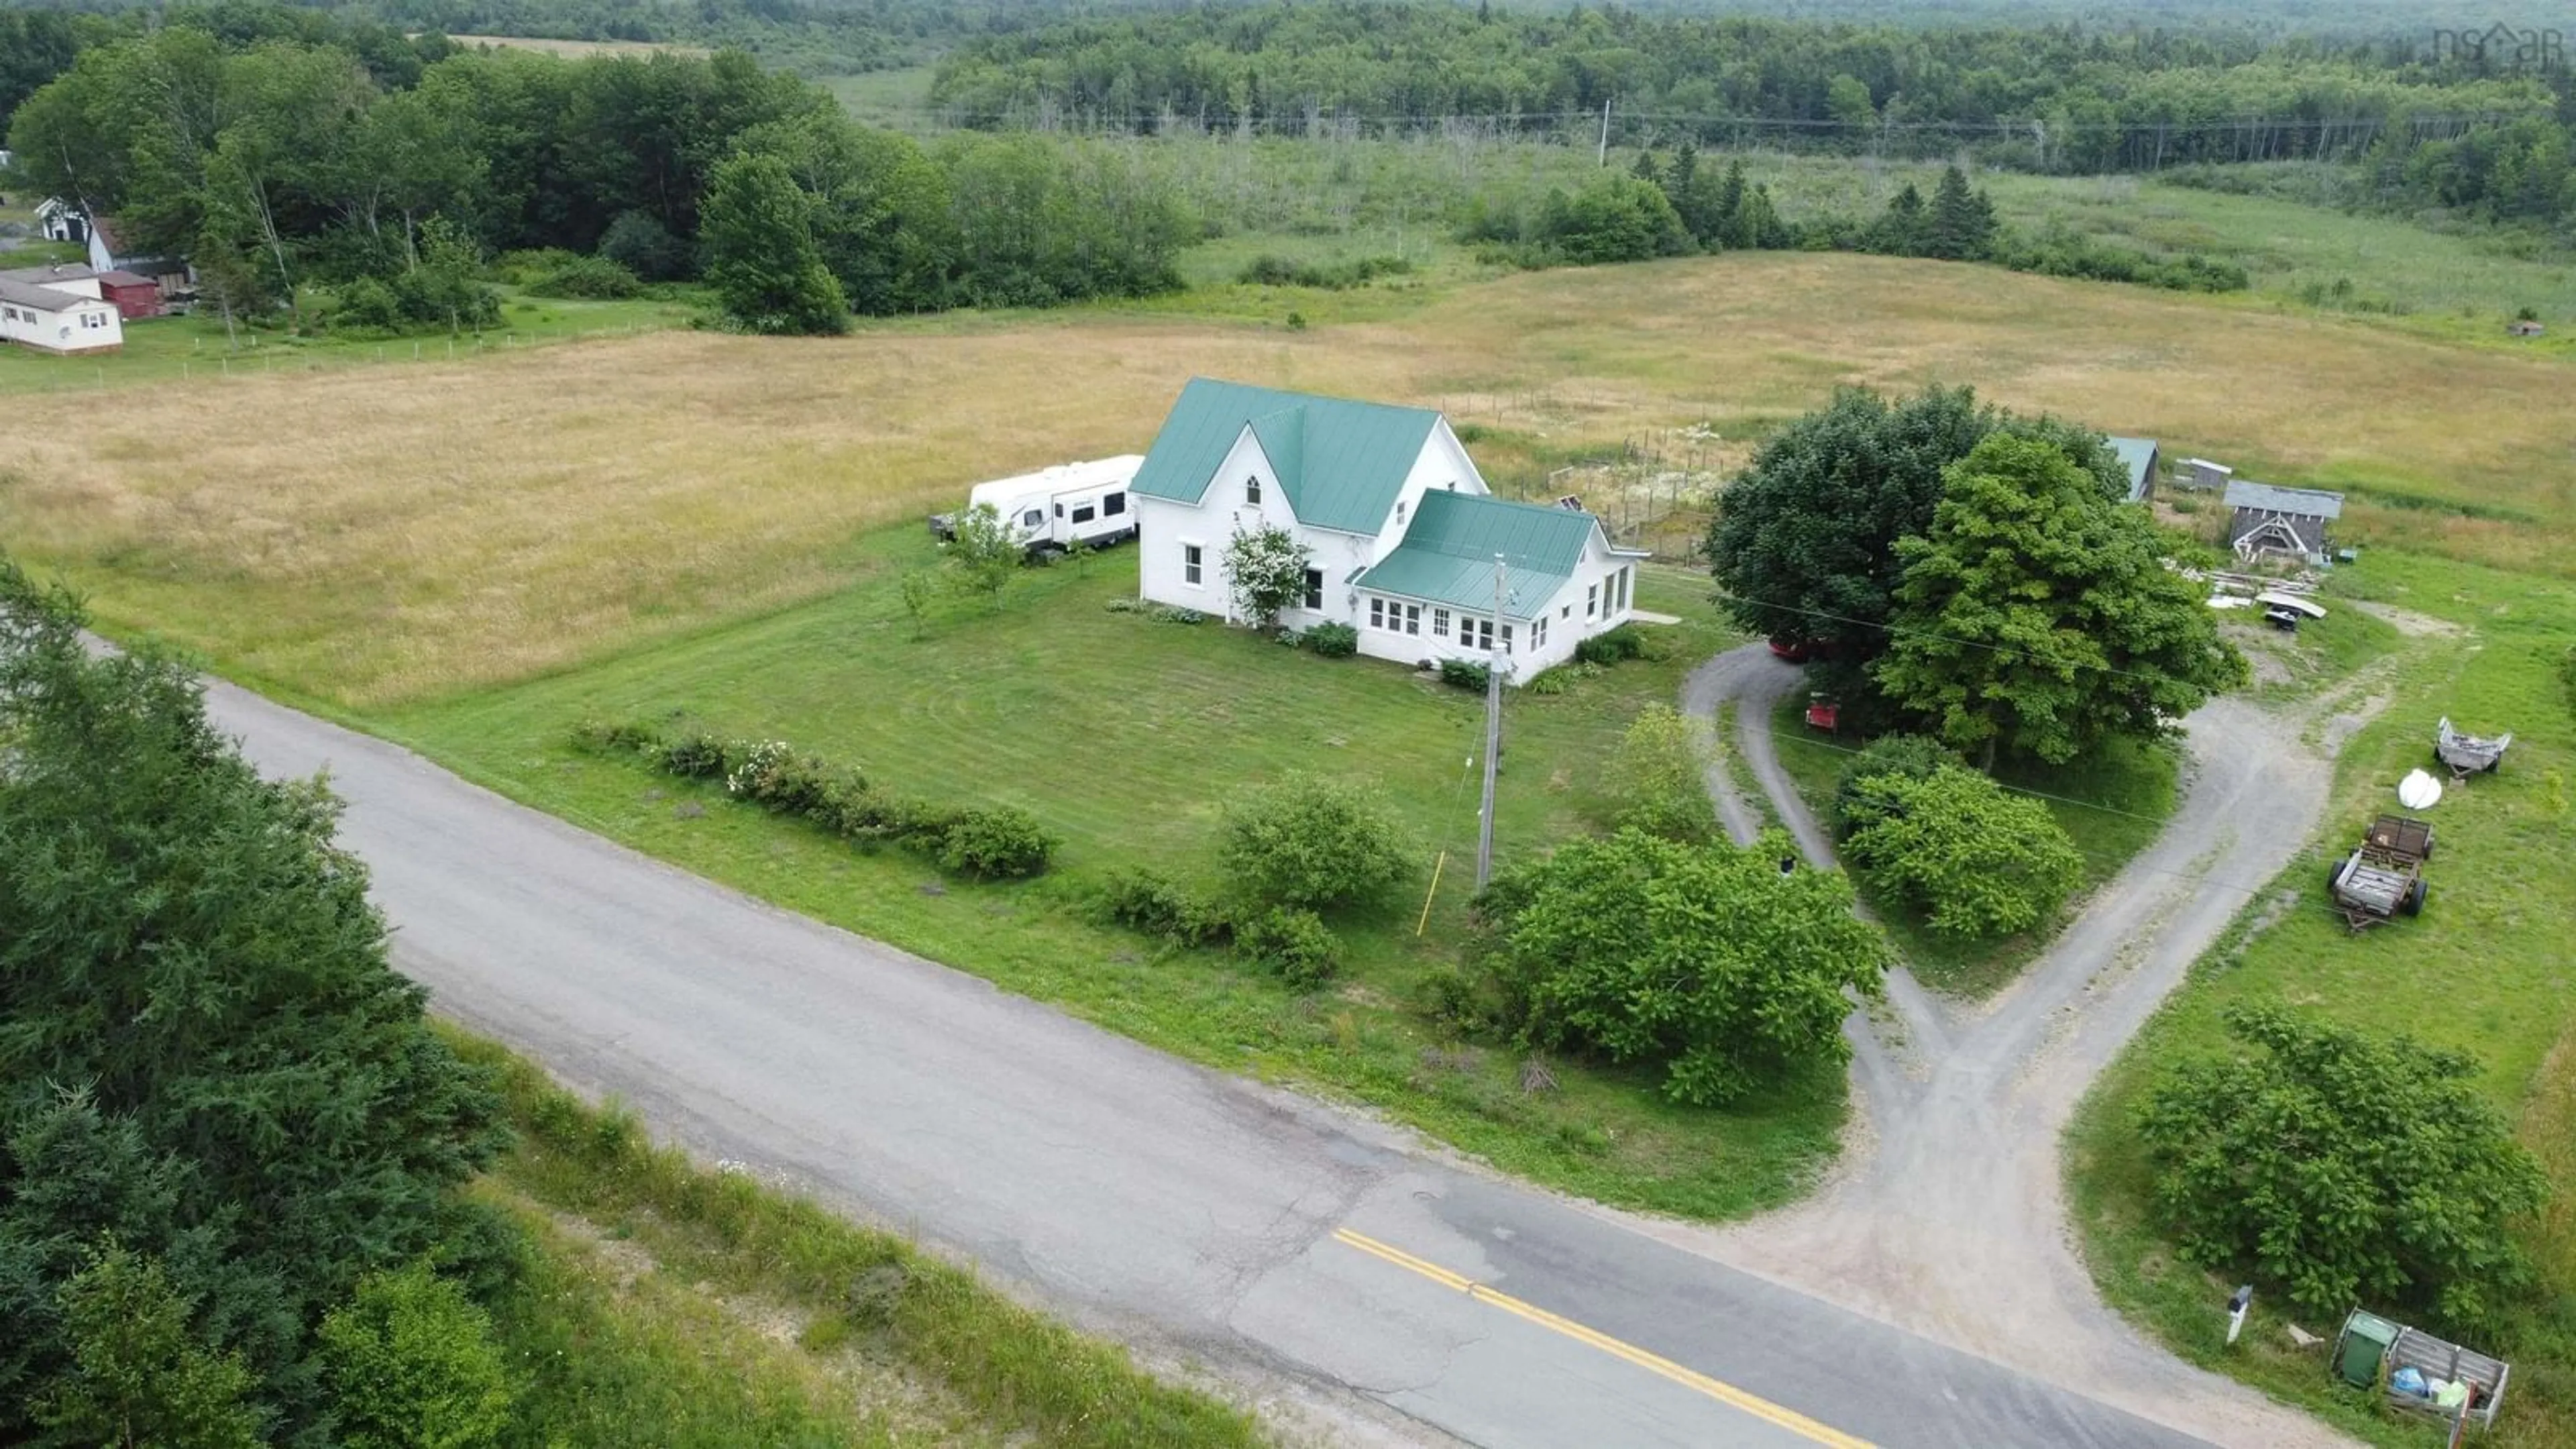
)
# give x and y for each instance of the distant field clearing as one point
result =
(576, 49)
(391, 534)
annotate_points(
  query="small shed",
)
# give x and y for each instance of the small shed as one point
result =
(134, 296)
(2206, 476)
(2282, 521)
(2524, 327)
(2138, 457)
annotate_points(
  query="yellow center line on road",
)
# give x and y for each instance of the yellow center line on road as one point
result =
(1725, 1393)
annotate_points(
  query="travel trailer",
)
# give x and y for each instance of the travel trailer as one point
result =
(1051, 509)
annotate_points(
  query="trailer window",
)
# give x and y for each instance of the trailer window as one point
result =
(1083, 514)
(1034, 518)
(1113, 505)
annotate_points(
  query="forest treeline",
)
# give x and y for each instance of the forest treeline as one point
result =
(273, 160)
(2490, 135)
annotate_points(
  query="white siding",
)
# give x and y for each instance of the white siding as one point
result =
(1443, 463)
(86, 325)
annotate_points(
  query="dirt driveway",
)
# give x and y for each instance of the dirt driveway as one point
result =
(1948, 1217)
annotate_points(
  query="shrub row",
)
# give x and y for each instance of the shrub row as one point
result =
(1271, 270)
(999, 842)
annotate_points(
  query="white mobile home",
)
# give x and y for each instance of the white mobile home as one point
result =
(1405, 541)
(58, 309)
(1049, 510)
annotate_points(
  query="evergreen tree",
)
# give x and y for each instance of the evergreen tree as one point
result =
(757, 227)
(1726, 218)
(1903, 231)
(1645, 170)
(1961, 226)
(204, 1056)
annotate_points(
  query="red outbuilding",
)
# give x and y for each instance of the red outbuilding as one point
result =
(134, 296)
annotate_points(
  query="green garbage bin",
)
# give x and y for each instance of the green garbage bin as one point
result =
(2365, 1342)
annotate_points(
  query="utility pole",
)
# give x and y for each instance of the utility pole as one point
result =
(1604, 158)
(1493, 731)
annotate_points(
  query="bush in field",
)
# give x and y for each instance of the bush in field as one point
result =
(412, 1365)
(596, 278)
(1333, 641)
(1317, 843)
(1611, 646)
(1975, 860)
(1706, 960)
(1656, 779)
(1143, 900)
(1000, 841)
(1294, 944)
(1910, 756)
(1466, 674)
(2343, 1166)
(694, 755)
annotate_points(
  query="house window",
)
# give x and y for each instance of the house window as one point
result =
(1507, 638)
(1619, 590)
(1440, 623)
(1193, 565)
(1314, 588)
(1113, 505)
(1566, 613)
(1538, 632)
(1252, 490)
(1476, 633)
(1399, 512)
(1592, 601)
(1084, 514)
(1377, 613)
(1413, 619)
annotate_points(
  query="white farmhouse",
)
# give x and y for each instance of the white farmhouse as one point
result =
(1404, 538)
(58, 309)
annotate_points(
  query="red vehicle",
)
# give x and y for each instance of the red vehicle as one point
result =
(1796, 651)
(1823, 713)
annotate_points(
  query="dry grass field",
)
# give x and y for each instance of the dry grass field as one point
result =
(383, 536)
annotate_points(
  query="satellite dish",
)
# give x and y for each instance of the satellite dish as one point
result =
(2418, 790)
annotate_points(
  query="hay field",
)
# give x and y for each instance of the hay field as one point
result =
(389, 535)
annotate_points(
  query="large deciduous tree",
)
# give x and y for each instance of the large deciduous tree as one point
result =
(2037, 616)
(1708, 960)
(205, 1060)
(1804, 543)
(761, 258)
(2343, 1166)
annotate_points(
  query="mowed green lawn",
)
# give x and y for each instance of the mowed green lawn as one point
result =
(2490, 967)
(1125, 734)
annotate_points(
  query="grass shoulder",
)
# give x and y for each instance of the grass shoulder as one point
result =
(1123, 735)
(2485, 969)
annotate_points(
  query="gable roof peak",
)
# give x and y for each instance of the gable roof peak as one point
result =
(1342, 463)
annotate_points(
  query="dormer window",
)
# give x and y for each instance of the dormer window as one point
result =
(1252, 491)
(1399, 512)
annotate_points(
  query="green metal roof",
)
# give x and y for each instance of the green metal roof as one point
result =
(1447, 556)
(1341, 463)
(2136, 455)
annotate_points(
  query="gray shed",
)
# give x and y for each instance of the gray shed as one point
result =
(2269, 520)
(2138, 456)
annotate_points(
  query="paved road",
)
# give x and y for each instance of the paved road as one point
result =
(1295, 1250)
